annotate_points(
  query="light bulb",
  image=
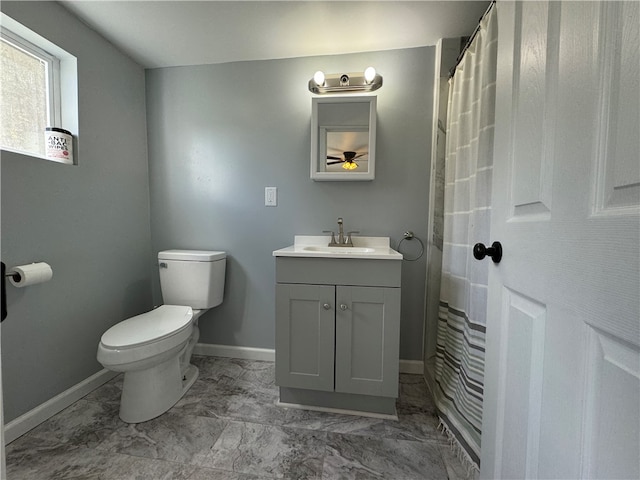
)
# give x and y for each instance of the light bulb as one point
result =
(318, 77)
(349, 165)
(369, 74)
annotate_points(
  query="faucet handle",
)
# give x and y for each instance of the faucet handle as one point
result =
(348, 241)
(333, 237)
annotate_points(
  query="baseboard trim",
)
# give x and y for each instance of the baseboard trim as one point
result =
(27, 421)
(299, 406)
(269, 355)
(415, 367)
(231, 351)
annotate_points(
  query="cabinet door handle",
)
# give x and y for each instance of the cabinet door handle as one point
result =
(343, 306)
(326, 306)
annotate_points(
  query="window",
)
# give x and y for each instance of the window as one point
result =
(38, 89)
(28, 93)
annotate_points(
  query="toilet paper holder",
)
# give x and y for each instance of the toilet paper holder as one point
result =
(14, 275)
(30, 274)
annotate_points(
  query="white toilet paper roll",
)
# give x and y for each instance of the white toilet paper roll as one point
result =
(32, 274)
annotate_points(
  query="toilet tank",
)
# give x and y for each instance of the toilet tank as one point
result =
(193, 278)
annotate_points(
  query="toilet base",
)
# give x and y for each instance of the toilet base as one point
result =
(147, 394)
(189, 378)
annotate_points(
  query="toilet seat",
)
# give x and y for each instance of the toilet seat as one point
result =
(148, 327)
(146, 335)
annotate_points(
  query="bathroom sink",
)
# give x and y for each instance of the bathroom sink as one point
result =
(374, 248)
(347, 250)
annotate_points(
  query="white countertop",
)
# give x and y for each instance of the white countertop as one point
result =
(375, 248)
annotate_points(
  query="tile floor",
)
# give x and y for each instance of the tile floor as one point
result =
(227, 427)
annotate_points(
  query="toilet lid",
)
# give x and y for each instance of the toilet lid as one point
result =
(152, 326)
(192, 255)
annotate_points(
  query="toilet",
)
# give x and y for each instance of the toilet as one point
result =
(154, 349)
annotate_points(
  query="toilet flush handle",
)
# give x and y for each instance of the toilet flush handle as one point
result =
(163, 265)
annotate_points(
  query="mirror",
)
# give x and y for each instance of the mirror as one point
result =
(343, 134)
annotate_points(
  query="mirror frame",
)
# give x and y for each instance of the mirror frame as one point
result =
(319, 141)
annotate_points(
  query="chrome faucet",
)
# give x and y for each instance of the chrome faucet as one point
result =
(342, 240)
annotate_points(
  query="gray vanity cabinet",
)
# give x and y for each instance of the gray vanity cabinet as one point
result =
(305, 336)
(337, 330)
(367, 340)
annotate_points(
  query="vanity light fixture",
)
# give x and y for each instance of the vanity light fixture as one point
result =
(366, 81)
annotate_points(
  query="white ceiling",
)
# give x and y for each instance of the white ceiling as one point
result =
(175, 33)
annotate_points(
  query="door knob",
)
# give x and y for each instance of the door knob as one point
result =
(343, 306)
(494, 251)
(326, 306)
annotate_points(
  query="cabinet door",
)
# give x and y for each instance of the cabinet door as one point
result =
(305, 332)
(367, 340)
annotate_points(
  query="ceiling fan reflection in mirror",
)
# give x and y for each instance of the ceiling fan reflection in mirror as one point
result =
(347, 149)
(348, 159)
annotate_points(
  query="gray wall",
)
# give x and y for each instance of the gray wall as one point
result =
(90, 222)
(218, 134)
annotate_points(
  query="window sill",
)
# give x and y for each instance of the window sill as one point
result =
(35, 155)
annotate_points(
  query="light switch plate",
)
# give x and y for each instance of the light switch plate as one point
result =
(270, 196)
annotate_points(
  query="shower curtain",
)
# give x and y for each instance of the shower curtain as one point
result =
(459, 369)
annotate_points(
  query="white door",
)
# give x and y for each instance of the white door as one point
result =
(562, 381)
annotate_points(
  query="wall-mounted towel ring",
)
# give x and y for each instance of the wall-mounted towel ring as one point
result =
(410, 236)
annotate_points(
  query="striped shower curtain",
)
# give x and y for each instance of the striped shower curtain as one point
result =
(459, 369)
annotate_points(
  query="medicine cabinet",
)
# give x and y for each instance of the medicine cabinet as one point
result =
(343, 138)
